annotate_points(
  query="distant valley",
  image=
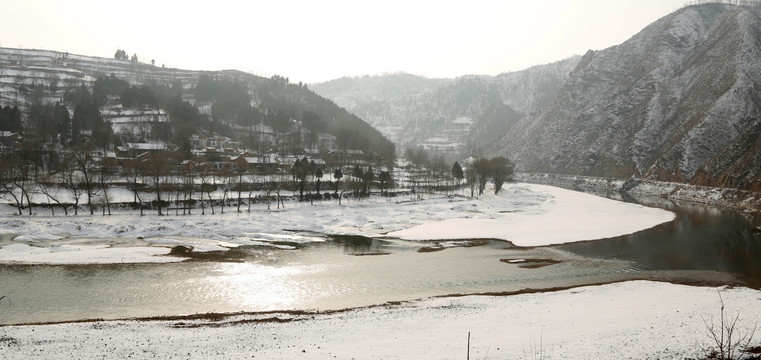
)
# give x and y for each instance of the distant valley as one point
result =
(679, 101)
(456, 116)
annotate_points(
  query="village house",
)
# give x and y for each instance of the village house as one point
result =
(132, 150)
(10, 139)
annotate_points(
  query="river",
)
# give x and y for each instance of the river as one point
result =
(704, 245)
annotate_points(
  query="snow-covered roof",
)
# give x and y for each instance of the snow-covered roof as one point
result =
(147, 146)
(348, 151)
(288, 160)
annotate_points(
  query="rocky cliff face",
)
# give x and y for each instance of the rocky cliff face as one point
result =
(680, 101)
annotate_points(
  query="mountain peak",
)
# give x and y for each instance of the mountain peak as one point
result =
(664, 104)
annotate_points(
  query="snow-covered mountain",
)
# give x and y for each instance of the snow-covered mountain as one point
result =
(28, 66)
(27, 74)
(681, 101)
(454, 115)
(360, 92)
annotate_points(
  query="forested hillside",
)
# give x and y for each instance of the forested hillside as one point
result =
(116, 101)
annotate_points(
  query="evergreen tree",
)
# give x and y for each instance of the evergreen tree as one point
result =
(63, 123)
(87, 117)
(41, 120)
(10, 119)
(317, 174)
(367, 180)
(338, 174)
(385, 179)
(457, 172)
(108, 85)
(102, 134)
(300, 170)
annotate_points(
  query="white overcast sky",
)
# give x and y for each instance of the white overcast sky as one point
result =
(312, 41)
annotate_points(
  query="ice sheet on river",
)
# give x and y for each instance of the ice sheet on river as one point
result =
(525, 214)
(537, 215)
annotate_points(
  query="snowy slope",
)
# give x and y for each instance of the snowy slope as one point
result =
(450, 115)
(28, 66)
(679, 101)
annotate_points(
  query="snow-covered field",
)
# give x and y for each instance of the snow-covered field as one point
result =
(524, 214)
(630, 320)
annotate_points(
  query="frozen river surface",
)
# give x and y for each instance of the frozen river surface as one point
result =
(293, 265)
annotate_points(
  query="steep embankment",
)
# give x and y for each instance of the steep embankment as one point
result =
(679, 101)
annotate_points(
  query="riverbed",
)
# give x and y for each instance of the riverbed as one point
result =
(313, 271)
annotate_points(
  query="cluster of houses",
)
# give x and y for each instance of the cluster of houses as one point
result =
(218, 153)
(228, 158)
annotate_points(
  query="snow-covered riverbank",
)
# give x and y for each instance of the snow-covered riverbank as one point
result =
(524, 214)
(631, 320)
(744, 200)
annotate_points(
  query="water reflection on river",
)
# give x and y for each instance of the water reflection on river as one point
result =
(702, 245)
(700, 238)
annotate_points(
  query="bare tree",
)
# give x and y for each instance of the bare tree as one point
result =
(132, 174)
(24, 169)
(8, 173)
(85, 165)
(278, 187)
(501, 171)
(227, 184)
(269, 188)
(157, 167)
(188, 187)
(239, 185)
(250, 191)
(104, 178)
(50, 188)
(483, 170)
(72, 180)
(726, 337)
(207, 186)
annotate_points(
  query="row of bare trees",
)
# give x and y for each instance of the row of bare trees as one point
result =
(79, 178)
(165, 183)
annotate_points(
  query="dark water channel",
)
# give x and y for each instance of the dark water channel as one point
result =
(703, 245)
(701, 238)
